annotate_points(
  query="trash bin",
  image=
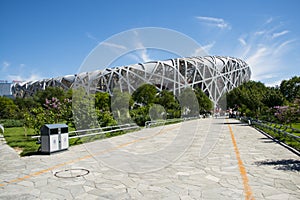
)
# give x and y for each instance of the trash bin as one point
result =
(249, 122)
(54, 137)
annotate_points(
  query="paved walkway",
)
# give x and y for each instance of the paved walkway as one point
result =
(199, 159)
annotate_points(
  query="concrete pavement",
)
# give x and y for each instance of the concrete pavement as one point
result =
(199, 159)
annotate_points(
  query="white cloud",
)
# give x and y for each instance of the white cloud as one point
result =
(270, 32)
(269, 20)
(242, 41)
(136, 33)
(142, 51)
(31, 77)
(257, 55)
(92, 37)
(282, 47)
(264, 51)
(208, 46)
(256, 60)
(114, 45)
(116, 48)
(5, 65)
(275, 35)
(130, 49)
(144, 55)
(216, 22)
(259, 32)
(266, 59)
(203, 50)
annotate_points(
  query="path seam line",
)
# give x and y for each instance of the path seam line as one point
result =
(243, 172)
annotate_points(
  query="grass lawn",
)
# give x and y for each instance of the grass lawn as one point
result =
(295, 128)
(292, 142)
(25, 145)
(296, 125)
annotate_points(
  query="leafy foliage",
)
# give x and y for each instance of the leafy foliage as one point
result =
(291, 88)
(8, 123)
(273, 97)
(254, 99)
(145, 94)
(140, 114)
(82, 110)
(288, 114)
(144, 97)
(120, 104)
(8, 109)
(189, 103)
(84, 113)
(163, 104)
(102, 106)
(205, 104)
(50, 92)
(169, 102)
(102, 101)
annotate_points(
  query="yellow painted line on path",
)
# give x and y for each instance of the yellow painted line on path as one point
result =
(83, 158)
(243, 172)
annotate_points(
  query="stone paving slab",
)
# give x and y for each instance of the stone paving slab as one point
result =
(191, 160)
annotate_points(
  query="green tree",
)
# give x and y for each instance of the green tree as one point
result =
(25, 104)
(52, 111)
(140, 115)
(289, 114)
(105, 118)
(8, 109)
(205, 104)
(291, 88)
(248, 97)
(170, 103)
(102, 101)
(50, 92)
(273, 97)
(189, 103)
(157, 112)
(145, 94)
(120, 105)
(142, 100)
(84, 112)
(36, 118)
(102, 106)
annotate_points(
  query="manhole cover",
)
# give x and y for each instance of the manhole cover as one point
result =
(71, 173)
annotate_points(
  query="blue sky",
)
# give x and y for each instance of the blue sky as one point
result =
(44, 39)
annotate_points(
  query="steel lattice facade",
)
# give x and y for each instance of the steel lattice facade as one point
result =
(215, 75)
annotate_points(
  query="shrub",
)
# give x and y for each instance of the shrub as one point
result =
(9, 123)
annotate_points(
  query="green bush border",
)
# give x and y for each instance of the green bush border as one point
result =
(286, 139)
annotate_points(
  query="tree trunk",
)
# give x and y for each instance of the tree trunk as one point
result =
(25, 131)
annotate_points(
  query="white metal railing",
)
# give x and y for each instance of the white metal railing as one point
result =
(148, 124)
(98, 131)
(118, 128)
(274, 129)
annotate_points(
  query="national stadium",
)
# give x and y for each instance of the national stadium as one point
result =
(215, 75)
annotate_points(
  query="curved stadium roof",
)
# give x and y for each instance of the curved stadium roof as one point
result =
(215, 75)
